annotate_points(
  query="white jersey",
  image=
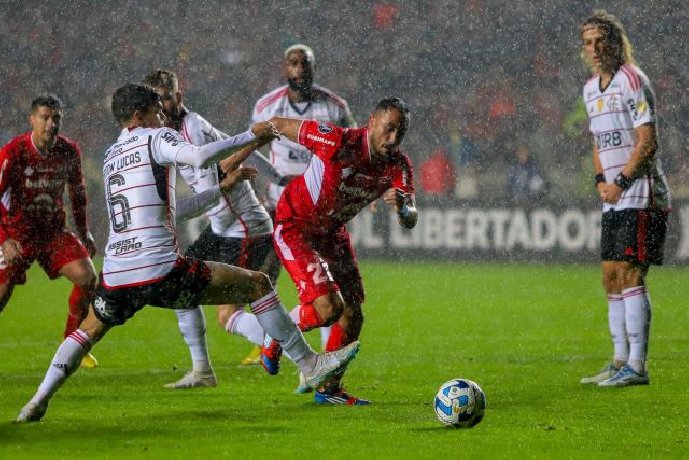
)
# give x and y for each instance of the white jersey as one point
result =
(139, 178)
(290, 158)
(238, 214)
(627, 103)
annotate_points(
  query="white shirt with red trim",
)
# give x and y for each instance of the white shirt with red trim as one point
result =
(238, 214)
(614, 113)
(341, 180)
(139, 178)
(289, 158)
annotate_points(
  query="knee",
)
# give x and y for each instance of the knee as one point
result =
(225, 312)
(261, 284)
(332, 309)
(86, 280)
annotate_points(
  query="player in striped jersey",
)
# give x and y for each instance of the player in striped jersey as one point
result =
(240, 230)
(142, 265)
(302, 99)
(632, 186)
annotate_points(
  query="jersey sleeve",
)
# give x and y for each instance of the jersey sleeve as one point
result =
(201, 132)
(76, 185)
(323, 139)
(345, 118)
(639, 100)
(5, 173)
(403, 175)
(166, 145)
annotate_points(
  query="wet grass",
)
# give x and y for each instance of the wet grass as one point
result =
(526, 334)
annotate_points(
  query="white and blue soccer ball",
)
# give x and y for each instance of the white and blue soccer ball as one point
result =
(460, 403)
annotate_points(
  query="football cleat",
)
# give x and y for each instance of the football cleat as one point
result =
(340, 397)
(625, 377)
(89, 361)
(194, 379)
(302, 388)
(270, 355)
(330, 364)
(253, 358)
(32, 412)
(604, 374)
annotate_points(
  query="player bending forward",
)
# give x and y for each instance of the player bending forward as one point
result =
(350, 168)
(142, 265)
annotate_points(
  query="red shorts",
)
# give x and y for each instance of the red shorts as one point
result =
(52, 255)
(319, 264)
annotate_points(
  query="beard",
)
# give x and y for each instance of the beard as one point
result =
(303, 87)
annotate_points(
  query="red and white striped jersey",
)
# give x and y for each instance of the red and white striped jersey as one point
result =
(627, 103)
(238, 214)
(139, 177)
(289, 158)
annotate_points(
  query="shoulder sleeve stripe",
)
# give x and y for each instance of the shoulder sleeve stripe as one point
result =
(332, 96)
(632, 77)
(269, 99)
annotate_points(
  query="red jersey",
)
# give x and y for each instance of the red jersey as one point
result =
(31, 189)
(341, 179)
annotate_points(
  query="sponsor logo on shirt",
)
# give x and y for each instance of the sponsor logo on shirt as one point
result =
(320, 139)
(170, 138)
(324, 128)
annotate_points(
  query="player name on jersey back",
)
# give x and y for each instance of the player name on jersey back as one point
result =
(139, 193)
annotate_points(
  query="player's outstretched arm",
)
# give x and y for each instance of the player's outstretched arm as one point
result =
(201, 157)
(288, 127)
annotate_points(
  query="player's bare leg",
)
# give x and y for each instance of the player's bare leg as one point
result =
(345, 331)
(83, 275)
(245, 286)
(6, 290)
(65, 362)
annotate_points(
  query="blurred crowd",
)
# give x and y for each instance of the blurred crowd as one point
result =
(494, 87)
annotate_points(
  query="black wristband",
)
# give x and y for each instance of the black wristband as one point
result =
(600, 178)
(623, 181)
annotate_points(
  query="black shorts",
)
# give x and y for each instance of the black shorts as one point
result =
(634, 235)
(181, 289)
(255, 253)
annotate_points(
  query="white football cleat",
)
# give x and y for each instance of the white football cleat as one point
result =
(32, 412)
(194, 379)
(625, 377)
(329, 364)
(604, 374)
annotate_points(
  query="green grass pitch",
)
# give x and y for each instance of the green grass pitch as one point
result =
(526, 334)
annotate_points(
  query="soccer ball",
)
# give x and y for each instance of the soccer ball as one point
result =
(460, 403)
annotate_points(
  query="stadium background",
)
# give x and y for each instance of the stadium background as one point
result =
(487, 74)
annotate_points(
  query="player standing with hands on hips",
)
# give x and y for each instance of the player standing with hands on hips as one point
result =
(632, 186)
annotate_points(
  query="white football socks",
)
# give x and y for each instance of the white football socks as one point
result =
(246, 325)
(618, 330)
(192, 325)
(325, 335)
(637, 312)
(277, 323)
(64, 363)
